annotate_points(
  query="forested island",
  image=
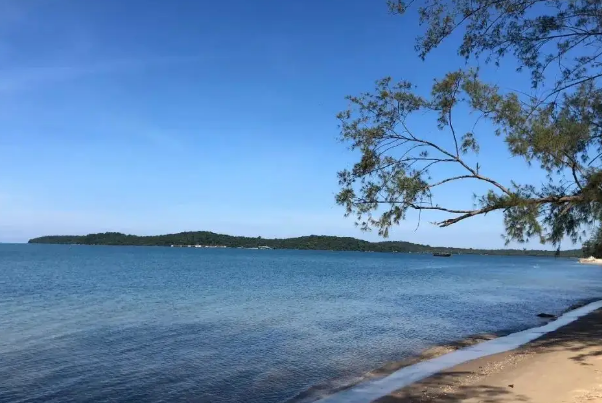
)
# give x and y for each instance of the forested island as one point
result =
(312, 242)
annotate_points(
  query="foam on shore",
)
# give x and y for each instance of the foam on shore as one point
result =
(369, 391)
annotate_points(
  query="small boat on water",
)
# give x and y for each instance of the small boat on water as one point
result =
(442, 254)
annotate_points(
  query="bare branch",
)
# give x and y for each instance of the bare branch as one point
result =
(487, 209)
(452, 179)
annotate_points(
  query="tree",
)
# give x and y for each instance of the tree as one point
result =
(593, 246)
(558, 126)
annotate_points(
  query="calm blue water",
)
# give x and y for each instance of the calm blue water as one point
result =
(124, 324)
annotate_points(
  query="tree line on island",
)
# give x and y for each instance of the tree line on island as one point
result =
(312, 242)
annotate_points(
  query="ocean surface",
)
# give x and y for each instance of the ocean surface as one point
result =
(125, 324)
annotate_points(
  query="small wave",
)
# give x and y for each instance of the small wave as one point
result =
(326, 389)
(376, 388)
(323, 390)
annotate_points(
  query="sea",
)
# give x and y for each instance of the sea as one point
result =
(152, 324)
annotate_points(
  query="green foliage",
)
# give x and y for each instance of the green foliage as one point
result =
(593, 246)
(560, 131)
(538, 33)
(313, 242)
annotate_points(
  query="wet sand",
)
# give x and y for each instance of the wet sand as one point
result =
(317, 392)
(562, 366)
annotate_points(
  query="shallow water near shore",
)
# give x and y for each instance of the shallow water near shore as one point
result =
(369, 391)
(126, 324)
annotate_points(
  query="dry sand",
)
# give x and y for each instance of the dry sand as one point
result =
(562, 366)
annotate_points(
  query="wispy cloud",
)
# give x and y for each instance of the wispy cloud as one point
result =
(20, 79)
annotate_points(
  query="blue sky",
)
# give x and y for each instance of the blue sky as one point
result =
(150, 117)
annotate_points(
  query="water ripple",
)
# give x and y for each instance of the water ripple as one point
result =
(102, 324)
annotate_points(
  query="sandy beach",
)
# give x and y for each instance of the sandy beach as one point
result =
(562, 366)
(591, 260)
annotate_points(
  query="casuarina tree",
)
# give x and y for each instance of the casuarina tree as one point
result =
(555, 123)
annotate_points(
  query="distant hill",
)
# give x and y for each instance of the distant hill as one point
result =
(312, 242)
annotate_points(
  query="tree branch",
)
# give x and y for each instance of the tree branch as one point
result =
(462, 163)
(523, 202)
(452, 179)
(449, 114)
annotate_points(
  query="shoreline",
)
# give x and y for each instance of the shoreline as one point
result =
(313, 393)
(564, 365)
(590, 260)
(465, 251)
